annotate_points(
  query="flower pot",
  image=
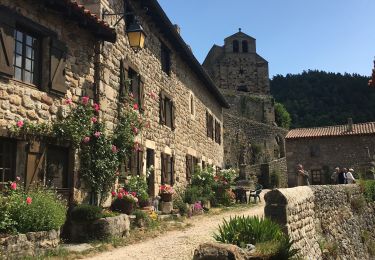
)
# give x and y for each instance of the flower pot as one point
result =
(166, 197)
(123, 206)
(144, 203)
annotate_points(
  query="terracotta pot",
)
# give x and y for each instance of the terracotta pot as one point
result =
(166, 197)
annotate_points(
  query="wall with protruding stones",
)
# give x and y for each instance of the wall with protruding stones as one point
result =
(335, 214)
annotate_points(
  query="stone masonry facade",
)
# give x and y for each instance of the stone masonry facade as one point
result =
(250, 132)
(325, 222)
(92, 68)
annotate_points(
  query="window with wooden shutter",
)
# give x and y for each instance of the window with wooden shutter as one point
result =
(217, 132)
(188, 167)
(165, 59)
(172, 173)
(57, 167)
(162, 108)
(7, 24)
(124, 70)
(210, 125)
(167, 169)
(135, 163)
(57, 69)
(141, 100)
(36, 159)
(163, 168)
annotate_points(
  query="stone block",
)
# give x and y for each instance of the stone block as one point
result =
(218, 251)
(166, 207)
(47, 100)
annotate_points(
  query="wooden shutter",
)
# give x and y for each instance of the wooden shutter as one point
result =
(57, 69)
(207, 124)
(36, 159)
(124, 76)
(188, 167)
(173, 115)
(7, 24)
(133, 163)
(172, 171)
(141, 93)
(163, 168)
(140, 163)
(162, 108)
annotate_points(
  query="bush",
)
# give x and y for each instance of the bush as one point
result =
(45, 211)
(192, 194)
(86, 213)
(142, 218)
(368, 188)
(265, 234)
(282, 117)
(179, 204)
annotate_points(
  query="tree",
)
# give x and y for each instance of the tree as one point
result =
(282, 116)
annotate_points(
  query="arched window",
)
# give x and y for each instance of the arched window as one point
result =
(236, 46)
(245, 46)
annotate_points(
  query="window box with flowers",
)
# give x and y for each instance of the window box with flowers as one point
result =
(124, 202)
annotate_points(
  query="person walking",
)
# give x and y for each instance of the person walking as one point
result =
(341, 176)
(302, 176)
(349, 176)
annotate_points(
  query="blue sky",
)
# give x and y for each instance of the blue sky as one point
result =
(293, 35)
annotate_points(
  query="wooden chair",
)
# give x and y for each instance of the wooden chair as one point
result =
(256, 193)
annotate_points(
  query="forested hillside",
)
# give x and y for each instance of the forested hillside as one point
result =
(318, 98)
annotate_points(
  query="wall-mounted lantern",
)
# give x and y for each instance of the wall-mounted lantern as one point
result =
(136, 36)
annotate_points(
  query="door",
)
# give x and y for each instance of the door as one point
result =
(316, 177)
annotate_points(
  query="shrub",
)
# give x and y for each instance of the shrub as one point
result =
(179, 204)
(45, 211)
(248, 230)
(142, 218)
(368, 188)
(86, 213)
(282, 117)
(6, 223)
(192, 194)
(358, 203)
(264, 233)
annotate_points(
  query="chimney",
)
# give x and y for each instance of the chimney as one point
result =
(178, 29)
(350, 124)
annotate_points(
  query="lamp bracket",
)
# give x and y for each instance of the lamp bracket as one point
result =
(123, 14)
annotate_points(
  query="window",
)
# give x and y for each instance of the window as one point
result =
(167, 111)
(192, 105)
(135, 164)
(217, 132)
(191, 166)
(26, 57)
(150, 178)
(245, 46)
(316, 177)
(167, 169)
(242, 88)
(210, 125)
(165, 59)
(131, 82)
(236, 46)
(31, 53)
(57, 167)
(7, 160)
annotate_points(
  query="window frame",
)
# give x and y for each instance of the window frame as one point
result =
(167, 103)
(165, 59)
(12, 155)
(245, 46)
(210, 125)
(236, 46)
(167, 160)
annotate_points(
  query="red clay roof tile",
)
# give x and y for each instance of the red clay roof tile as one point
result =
(330, 131)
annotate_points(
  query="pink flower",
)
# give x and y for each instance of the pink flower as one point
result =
(152, 95)
(68, 101)
(135, 130)
(120, 195)
(113, 194)
(85, 100)
(13, 186)
(86, 139)
(136, 107)
(137, 146)
(121, 190)
(20, 124)
(134, 194)
(96, 107)
(114, 149)
(97, 134)
(94, 119)
(18, 178)
(29, 200)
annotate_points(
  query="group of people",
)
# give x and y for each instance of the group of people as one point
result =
(343, 176)
(340, 176)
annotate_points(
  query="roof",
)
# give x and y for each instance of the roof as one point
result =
(168, 29)
(332, 131)
(239, 34)
(75, 11)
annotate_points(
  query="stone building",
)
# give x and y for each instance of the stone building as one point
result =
(320, 150)
(53, 50)
(251, 135)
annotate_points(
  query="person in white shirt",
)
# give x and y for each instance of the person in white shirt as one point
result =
(349, 176)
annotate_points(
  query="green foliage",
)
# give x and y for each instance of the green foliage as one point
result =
(242, 230)
(358, 203)
(368, 188)
(86, 213)
(138, 185)
(262, 232)
(6, 222)
(282, 117)
(46, 211)
(98, 162)
(318, 98)
(192, 194)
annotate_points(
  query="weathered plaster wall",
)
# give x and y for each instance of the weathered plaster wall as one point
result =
(311, 214)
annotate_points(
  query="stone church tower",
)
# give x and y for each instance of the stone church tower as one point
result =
(251, 135)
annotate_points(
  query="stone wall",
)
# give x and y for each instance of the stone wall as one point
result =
(251, 142)
(29, 244)
(265, 171)
(324, 154)
(324, 220)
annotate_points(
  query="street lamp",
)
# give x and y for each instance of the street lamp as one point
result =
(136, 36)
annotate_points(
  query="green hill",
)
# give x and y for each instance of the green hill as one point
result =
(318, 98)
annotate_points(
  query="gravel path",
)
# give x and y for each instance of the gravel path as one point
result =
(178, 244)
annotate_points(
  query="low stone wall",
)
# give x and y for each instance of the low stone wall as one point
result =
(103, 228)
(324, 220)
(29, 244)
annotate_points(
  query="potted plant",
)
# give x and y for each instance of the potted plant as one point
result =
(124, 201)
(143, 199)
(166, 192)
